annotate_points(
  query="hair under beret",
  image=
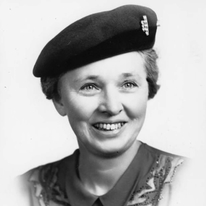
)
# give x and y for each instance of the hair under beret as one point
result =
(98, 36)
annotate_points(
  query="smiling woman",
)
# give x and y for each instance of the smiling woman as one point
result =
(110, 93)
(100, 72)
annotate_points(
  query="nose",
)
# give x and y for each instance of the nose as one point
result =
(110, 102)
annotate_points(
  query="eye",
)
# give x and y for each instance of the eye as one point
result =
(89, 88)
(129, 85)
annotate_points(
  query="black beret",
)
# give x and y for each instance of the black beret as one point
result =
(98, 36)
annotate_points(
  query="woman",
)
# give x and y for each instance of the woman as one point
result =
(100, 72)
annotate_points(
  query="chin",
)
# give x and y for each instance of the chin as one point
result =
(110, 153)
(113, 150)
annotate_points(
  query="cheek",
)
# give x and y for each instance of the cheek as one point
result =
(79, 108)
(136, 106)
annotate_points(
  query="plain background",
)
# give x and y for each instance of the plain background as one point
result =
(31, 131)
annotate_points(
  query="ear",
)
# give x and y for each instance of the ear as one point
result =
(59, 107)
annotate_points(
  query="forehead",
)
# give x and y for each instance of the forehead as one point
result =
(124, 65)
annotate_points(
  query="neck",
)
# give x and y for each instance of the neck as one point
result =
(99, 174)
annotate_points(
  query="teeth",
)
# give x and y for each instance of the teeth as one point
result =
(108, 127)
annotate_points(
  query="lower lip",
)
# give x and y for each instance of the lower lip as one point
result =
(110, 133)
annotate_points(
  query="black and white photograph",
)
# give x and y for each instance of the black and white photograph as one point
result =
(103, 103)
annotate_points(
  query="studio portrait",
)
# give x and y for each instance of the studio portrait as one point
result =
(103, 103)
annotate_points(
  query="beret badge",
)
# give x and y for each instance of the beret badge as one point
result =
(145, 27)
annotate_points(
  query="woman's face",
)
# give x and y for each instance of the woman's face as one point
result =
(106, 102)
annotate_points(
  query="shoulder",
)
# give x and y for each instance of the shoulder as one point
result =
(49, 168)
(168, 174)
(38, 184)
(171, 165)
(164, 158)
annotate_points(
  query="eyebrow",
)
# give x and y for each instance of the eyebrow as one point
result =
(94, 77)
(126, 75)
(90, 77)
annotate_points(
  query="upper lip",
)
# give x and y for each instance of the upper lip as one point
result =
(110, 122)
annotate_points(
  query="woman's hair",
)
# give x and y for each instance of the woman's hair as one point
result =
(150, 57)
(50, 84)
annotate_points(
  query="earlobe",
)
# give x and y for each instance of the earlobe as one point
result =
(59, 107)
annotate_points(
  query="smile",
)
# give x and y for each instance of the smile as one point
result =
(108, 127)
